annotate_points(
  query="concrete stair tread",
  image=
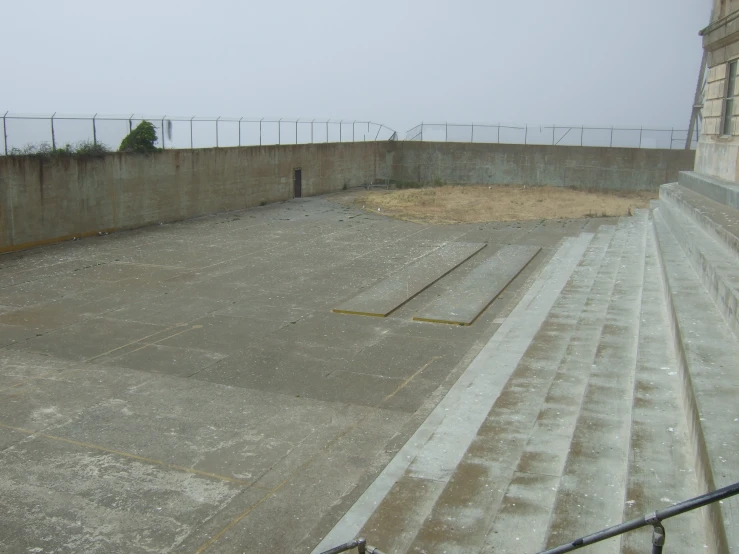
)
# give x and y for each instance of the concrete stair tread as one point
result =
(712, 262)
(586, 502)
(659, 433)
(522, 521)
(718, 219)
(707, 354)
(720, 190)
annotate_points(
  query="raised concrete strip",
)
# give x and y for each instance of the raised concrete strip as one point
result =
(659, 434)
(463, 304)
(719, 220)
(389, 294)
(717, 266)
(707, 354)
(440, 442)
(724, 192)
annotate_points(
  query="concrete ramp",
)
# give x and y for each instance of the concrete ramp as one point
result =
(389, 294)
(463, 304)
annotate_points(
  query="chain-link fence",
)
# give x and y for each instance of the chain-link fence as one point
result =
(22, 132)
(553, 134)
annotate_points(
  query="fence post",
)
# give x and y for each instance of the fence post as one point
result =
(311, 131)
(526, 134)
(163, 147)
(498, 133)
(53, 138)
(260, 132)
(296, 130)
(582, 131)
(279, 131)
(94, 131)
(640, 133)
(672, 132)
(5, 134)
(341, 124)
(353, 123)
(446, 132)
(326, 131)
(217, 118)
(193, 117)
(553, 128)
(240, 130)
(611, 145)
(472, 135)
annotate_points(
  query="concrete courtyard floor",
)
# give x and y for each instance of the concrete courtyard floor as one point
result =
(186, 388)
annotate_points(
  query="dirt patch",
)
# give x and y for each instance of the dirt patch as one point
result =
(475, 204)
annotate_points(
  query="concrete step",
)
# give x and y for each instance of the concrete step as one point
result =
(719, 190)
(707, 354)
(461, 518)
(719, 220)
(715, 264)
(591, 491)
(522, 521)
(660, 458)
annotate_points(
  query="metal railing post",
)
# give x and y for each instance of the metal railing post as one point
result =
(327, 131)
(446, 132)
(472, 135)
(611, 145)
(5, 133)
(240, 130)
(53, 137)
(341, 124)
(311, 131)
(640, 134)
(353, 123)
(130, 123)
(296, 130)
(526, 134)
(553, 129)
(498, 133)
(217, 118)
(260, 132)
(582, 131)
(279, 131)
(94, 131)
(672, 133)
(193, 117)
(163, 147)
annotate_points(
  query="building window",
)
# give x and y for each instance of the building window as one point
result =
(726, 126)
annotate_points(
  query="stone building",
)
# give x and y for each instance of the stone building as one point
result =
(718, 148)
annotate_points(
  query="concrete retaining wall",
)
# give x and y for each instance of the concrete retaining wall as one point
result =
(44, 201)
(561, 166)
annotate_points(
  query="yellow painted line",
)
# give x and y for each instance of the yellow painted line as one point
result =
(137, 341)
(129, 455)
(206, 545)
(88, 360)
(357, 313)
(429, 320)
(407, 381)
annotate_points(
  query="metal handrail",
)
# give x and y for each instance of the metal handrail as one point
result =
(654, 519)
(360, 544)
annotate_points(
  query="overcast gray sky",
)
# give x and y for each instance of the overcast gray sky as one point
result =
(398, 62)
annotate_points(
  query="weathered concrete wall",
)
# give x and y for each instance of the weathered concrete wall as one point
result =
(44, 201)
(515, 164)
